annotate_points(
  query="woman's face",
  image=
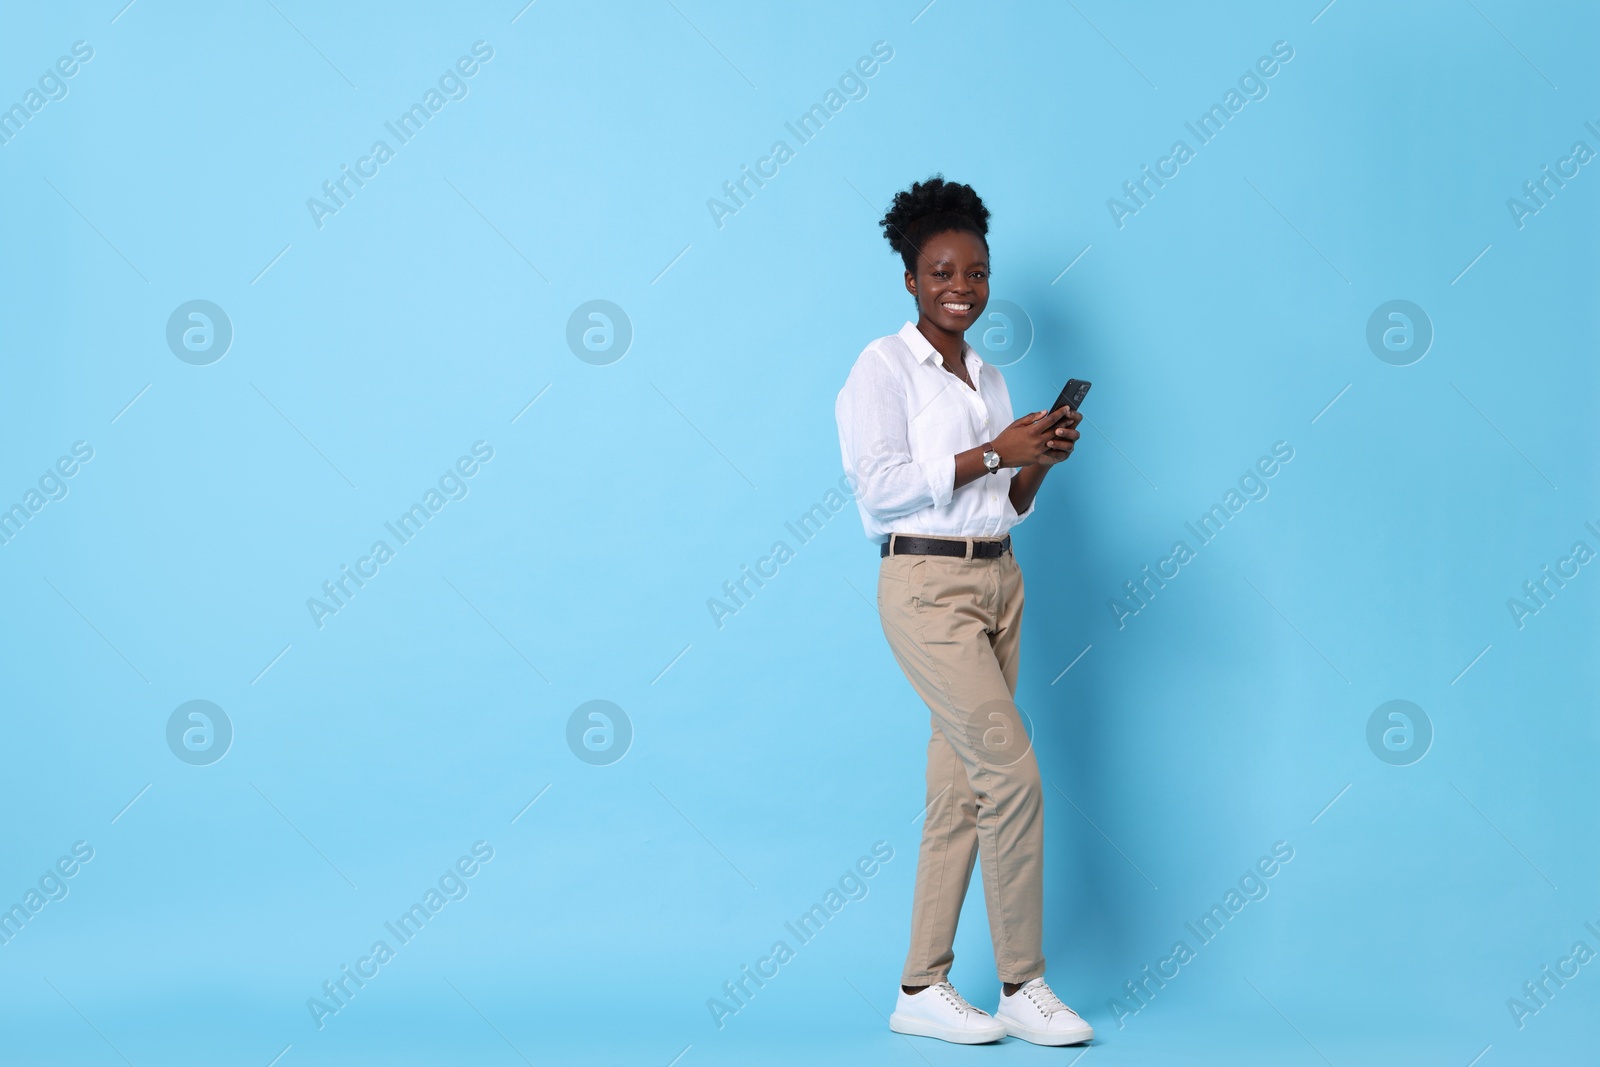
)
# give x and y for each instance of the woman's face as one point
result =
(951, 283)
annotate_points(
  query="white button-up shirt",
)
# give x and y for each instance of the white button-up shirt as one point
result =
(902, 419)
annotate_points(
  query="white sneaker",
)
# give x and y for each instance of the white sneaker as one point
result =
(939, 1011)
(1034, 1013)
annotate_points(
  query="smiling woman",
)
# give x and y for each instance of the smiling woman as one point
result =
(946, 473)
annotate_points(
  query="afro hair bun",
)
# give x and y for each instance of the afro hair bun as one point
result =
(932, 207)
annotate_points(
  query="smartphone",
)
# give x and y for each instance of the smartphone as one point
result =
(1072, 395)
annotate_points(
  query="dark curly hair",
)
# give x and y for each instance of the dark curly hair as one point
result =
(933, 207)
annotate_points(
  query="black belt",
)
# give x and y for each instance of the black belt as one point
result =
(904, 545)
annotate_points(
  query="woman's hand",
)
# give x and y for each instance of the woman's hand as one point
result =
(1039, 437)
(1065, 439)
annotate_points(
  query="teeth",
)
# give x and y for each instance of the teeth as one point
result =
(959, 307)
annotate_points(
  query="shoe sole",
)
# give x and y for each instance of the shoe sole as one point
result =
(1049, 1037)
(902, 1024)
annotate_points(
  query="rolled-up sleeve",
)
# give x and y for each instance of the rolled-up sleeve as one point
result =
(1024, 514)
(873, 438)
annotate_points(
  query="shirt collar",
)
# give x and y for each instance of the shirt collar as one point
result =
(923, 349)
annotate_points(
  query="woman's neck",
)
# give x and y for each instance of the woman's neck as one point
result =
(952, 346)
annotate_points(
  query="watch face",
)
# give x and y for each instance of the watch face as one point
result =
(991, 459)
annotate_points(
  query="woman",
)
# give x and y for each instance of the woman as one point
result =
(944, 474)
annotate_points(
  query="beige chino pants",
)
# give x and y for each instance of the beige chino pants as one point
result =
(954, 625)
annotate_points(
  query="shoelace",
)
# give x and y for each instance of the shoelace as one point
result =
(948, 992)
(1045, 999)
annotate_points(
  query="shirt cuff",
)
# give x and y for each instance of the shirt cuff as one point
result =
(941, 475)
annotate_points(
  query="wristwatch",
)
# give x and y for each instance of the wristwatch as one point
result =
(991, 459)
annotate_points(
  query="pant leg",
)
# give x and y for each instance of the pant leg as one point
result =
(1013, 883)
(944, 864)
(954, 626)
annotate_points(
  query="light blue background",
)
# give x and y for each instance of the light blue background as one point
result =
(770, 753)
